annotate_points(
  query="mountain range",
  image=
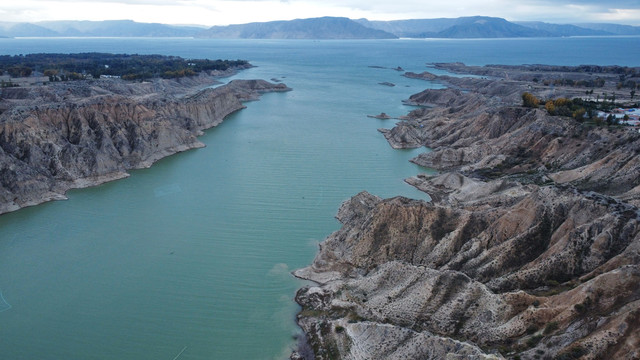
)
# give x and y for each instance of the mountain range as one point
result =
(107, 28)
(321, 28)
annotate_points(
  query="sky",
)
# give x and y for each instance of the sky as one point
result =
(224, 12)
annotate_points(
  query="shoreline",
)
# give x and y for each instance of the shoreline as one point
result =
(533, 225)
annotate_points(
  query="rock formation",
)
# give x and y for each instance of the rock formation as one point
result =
(77, 134)
(529, 248)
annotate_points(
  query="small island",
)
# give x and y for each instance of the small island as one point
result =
(381, 116)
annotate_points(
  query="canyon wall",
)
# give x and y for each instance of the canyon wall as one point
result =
(77, 134)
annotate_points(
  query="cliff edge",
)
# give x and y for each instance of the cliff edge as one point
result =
(78, 134)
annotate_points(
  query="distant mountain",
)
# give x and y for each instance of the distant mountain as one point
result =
(314, 28)
(462, 27)
(410, 28)
(321, 28)
(492, 27)
(487, 27)
(109, 28)
(613, 29)
(24, 30)
(562, 29)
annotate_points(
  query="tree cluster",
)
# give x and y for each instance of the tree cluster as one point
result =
(591, 83)
(591, 69)
(127, 66)
(576, 108)
(630, 84)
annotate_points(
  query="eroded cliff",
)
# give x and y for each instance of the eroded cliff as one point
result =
(480, 128)
(70, 135)
(530, 247)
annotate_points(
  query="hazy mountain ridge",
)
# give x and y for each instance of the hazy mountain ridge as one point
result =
(314, 28)
(564, 29)
(492, 27)
(108, 28)
(616, 29)
(467, 27)
(321, 28)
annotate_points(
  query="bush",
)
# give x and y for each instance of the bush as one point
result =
(561, 102)
(551, 108)
(551, 327)
(579, 114)
(529, 100)
(574, 353)
(534, 340)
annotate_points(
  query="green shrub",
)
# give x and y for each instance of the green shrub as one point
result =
(534, 340)
(551, 327)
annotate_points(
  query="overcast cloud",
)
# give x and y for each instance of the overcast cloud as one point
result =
(223, 12)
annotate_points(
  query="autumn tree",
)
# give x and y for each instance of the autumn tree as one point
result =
(551, 108)
(530, 100)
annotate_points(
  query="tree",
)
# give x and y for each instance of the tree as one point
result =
(632, 93)
(529, 100)
(579, 114)
(50, 72)
(551, 109)
(19, 71)
(559, 102)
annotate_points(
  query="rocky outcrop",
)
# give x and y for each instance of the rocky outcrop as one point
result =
(484, 131)
(425, 75)
(62, 136)
(485, 269)
(529, 248)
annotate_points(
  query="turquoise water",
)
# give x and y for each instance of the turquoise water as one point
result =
(192, 257)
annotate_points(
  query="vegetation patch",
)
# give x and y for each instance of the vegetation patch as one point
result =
(65, 67)
(584, 111)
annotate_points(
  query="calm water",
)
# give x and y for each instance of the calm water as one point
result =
(192, 257)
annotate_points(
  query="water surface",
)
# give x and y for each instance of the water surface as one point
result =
(192, 257)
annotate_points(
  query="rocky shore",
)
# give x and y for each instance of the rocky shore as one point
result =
(68, 135)
(529, 249)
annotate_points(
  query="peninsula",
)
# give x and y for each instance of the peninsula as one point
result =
(59, 133)
(530, 246)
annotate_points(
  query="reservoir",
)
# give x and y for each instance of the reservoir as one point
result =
(191, 258)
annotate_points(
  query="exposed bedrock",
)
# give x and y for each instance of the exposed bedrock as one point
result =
(490, 136)
(495, 266)
(64, 136)
(530, 247)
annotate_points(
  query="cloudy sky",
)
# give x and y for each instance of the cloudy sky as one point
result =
(223, 12)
